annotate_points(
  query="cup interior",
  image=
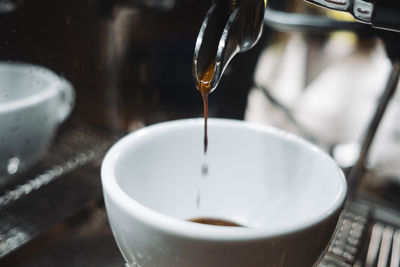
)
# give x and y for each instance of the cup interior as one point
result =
(258, 177)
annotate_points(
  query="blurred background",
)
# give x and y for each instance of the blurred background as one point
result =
(315, 72)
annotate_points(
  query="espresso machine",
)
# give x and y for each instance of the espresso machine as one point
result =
(371, 237)
(132, 63)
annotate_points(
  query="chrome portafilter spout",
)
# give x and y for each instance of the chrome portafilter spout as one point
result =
(229, 27)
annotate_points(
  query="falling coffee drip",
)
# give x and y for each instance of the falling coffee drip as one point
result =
(204, 87)
(205, 101)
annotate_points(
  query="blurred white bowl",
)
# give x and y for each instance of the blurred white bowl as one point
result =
(34, 101)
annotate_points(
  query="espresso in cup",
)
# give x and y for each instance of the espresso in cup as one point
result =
(216, 222)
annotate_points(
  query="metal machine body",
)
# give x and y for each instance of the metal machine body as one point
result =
(382, 14)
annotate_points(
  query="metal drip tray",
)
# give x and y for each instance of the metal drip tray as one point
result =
(62, 183)
(368, 235)
(346, 243)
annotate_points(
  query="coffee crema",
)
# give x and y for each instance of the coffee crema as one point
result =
(216, 222)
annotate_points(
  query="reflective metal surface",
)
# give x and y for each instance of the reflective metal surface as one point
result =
(63, 182)
(381, 14)
(229, 27)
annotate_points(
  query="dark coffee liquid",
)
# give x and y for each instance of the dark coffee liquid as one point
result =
(205, 102)
(204, 87)
(216, 222)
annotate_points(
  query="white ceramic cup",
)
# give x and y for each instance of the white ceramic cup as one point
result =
(34, 101)
(286, 192)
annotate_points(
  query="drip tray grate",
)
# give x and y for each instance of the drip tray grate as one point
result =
(49, 192)
(368, 236)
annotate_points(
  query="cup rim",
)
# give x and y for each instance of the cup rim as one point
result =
(57, 83)
(188, 229)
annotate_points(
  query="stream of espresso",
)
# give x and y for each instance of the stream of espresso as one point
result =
(205, 88)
